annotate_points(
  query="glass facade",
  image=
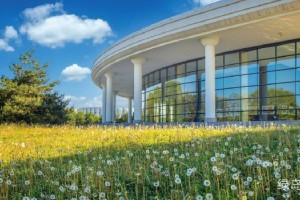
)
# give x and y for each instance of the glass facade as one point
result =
(259, 83)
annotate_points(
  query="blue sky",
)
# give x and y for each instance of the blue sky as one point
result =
(70, 34)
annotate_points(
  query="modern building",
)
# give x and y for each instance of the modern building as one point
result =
(234, 60)
(94, 110)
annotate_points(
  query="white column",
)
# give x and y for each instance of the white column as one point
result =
(138, 64)
(103, 104)
(210, 97)
(129, 109)
(114, 106)
(109, 94)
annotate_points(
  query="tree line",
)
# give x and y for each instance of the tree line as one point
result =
(29, 97)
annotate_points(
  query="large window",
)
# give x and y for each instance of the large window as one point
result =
(259, 83)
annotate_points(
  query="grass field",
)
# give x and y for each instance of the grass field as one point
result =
(149, 163)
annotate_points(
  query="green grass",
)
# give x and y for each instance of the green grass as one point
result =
(148, 162)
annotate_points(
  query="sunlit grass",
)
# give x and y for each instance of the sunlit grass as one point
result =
(148, 162)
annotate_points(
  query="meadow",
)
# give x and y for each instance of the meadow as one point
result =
(144, 162)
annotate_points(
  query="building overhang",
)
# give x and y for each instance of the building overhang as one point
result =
(238, 23)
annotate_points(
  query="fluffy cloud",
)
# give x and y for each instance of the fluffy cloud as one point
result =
(5, 46)
(48, 25)
(204, 2)
(76, 73)
(9, 34)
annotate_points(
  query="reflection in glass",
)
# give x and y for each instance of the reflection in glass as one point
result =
(286, 49)
(285, 62)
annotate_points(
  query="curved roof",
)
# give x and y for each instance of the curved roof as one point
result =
(169, 37)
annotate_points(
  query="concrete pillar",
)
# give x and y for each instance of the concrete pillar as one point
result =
(210, 64)
(138, 64)
(113, 112)
(103, 104)
(129, 99)
(109, 97)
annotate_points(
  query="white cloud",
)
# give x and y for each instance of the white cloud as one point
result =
(49, 26)
(4, 46)
(76, 73)
(41, 12)
(204, 2)
(10, 33)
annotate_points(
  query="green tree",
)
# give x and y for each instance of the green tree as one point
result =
(90, 119)
(80, 118)
(23, 95)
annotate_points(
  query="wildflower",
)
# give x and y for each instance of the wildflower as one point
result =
(233, 187)
(177, 180)
(99, 173)
(8, 182)
(250, 193)
(52, 196)
(1, 180)
(213, 159)
(206, 183)
(102, 194)
(171, 159)
(62, 189)
(107, 183)
(270, 198)
(197, 155)
(199, 197)
(87, 190)
(83, 198)
(40, 173)
(235, 176)
(156, 184)
(209, 196)
(249, 179)
(25, 198)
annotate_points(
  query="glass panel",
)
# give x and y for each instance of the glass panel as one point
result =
(190, 98)
(232, 82)
(190, 78)
(298, 61)
(219, 61)
(191, 67)
(180, 69)
(267, 65)
(163, 74)
(219, 106)
(248, 80)
(151, 78)
(234, 93)
(298, 104)
(297, 87)
(286, 49)
(201, 64)
(232, 71)
(298, 47)
(233, 105)
(285, 89)
(249, 92)
(285, 62)
(285, 76)
(268, 52)
(219, 95)
(267, 78)
(266, 91)
(286, 114)
(219, 116)
(248, 56)
(232, 116)
(171, 71)
(249, 68)
(285, 103)
(232, 58)
(219, 72)
(219, 83)
(189, 87)
(156, 75)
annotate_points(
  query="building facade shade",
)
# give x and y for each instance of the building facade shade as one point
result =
(257, 83)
